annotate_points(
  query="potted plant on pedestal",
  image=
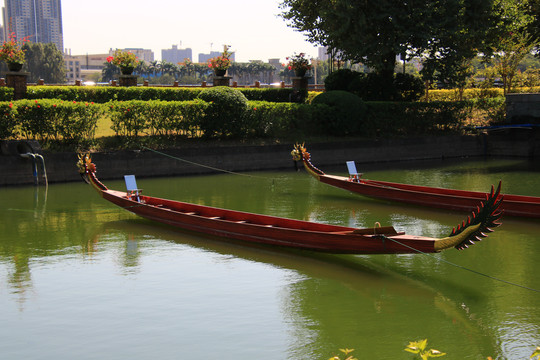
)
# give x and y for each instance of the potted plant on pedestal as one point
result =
(12, 53)
(299, 64)
(221, 63)
(125, 60)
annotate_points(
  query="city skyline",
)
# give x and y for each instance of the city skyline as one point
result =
(35, 20)
(253, 29)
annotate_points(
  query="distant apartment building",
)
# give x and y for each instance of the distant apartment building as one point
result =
(176, 55)
(73, 68)
(38, 20)
(90, 61)
(205, 57)
(80, 66)
(145, 55)
(323, 53)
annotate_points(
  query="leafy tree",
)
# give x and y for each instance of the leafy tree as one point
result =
(375, 32)
(514, 37)
(44, 61)
(109, 71)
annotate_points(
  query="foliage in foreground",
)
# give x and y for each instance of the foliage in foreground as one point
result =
(419, 348)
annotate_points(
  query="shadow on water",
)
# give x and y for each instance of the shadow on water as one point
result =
(377, 288)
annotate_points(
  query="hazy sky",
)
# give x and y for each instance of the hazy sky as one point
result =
(251, 27)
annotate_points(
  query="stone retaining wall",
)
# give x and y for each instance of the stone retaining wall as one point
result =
(60, 167)
(523, 108)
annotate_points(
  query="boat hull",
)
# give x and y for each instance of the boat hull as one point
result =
(461, 200)
(271, 230)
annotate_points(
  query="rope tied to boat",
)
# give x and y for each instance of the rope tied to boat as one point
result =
(205, 166)
(462, 267)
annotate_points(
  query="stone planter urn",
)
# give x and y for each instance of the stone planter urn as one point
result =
(14, 66)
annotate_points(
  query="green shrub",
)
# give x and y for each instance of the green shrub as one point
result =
(164, 118)
(270, 94)
(225, 115)
(103, 94)
(58, 120)
(279, 120)
(347, 115)
(342, 79)
(6, 93)
(8, 120)
(408, 87)
(129, 117)
(412, 119)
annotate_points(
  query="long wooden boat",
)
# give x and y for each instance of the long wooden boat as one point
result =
(462, 200)
(294, 233)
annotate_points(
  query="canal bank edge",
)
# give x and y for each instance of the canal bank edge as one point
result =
(60, 167)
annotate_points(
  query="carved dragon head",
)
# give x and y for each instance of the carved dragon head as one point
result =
(299, 152)
(478, 225)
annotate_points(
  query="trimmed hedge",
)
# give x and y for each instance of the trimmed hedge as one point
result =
(103, 94)
(75, 122)
(225, 112)
(476, 93)
(164, 118)
(347, 115)
(54, 119)
(8, 120)
(6, 93)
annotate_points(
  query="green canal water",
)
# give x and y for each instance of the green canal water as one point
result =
(82, 279)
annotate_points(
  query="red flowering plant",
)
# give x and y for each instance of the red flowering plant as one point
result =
(11, 51)
(298, 62)
(222, 62)
(125, 60)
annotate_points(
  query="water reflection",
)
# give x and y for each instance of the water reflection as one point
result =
(313, 304)
(331, 297)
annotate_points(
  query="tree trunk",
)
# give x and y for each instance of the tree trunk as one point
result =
(386, 71)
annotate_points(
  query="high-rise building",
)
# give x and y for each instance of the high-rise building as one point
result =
(38, 20)
(176, 55)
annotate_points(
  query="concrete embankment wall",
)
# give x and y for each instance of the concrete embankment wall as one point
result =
(61, 167)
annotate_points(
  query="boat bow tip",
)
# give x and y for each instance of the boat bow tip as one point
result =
(299, 153)
(478, 225)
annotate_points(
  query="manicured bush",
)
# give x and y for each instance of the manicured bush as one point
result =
(103, 94)
(412, 119)
(408, 87)
(226, 113)
(347, 115)
(164, 118)
(224, 116)
(342, 79)
(8, 120)
(268, 94)
(57, 120)
(279, 120)
(6, 93)
(373, 87)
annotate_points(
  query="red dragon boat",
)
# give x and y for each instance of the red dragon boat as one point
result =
(289, 232)
(462, 200)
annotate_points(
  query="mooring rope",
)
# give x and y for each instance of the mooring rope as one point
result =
(463, 267)
(205, 166)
